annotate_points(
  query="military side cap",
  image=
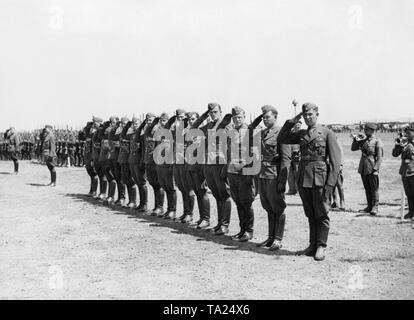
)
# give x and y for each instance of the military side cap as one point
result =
(309, 106)
(212, 105)
(371, 125)
(48, 126)
(410, 127)
(191, 114)
(135, 119)
(236, 111)
(113, 118)
(97, 119)
(267, 108)
(179, 112)
(164, 115)
(149, 115)
(124, 119)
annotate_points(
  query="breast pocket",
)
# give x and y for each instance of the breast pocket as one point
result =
(319, 174)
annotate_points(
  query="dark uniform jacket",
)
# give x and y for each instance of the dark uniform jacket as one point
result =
(320, 154)
(49, 145)
(407, 159)
(13, 142)
(372, 153)
(275, 159)
(149, 143)
(114, 143)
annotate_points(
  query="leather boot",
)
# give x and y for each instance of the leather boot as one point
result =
(16, 167)
(271, 231)
(172, 200)
(132, 193)
(143, 198)
(311, 249)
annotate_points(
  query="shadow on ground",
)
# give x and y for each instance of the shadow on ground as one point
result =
(182, 228)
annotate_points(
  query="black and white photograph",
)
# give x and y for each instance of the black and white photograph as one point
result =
(186, 151)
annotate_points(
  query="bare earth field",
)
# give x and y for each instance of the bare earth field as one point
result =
(56, 243)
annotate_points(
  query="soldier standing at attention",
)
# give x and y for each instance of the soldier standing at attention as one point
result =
(88, 132)
(369, 165)
(13, 147)
(103, 156)
(405, 148)
(113, 167)
(126, 139)
(215, 171)
(123, 158)
(137, 165)
(318, 173)
(165, 170)
(96, 151)
(272, 178)
(150, 166)
(49, 152)
(194, 171)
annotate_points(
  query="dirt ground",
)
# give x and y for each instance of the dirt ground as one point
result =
(56, 243)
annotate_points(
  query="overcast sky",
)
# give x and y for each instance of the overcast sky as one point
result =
(63, 61)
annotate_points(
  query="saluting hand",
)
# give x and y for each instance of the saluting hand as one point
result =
(297, 117)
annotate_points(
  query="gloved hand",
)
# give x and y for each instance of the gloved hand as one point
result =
(327, 192)
(281, 187)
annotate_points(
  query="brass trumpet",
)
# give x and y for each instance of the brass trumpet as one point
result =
(401, 140)
(358, 137)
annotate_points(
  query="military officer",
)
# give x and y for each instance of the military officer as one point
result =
(406, 150)
(150, 166)
(317, 175)
(272, 178)
(13, 147)
(49, 152)
(371, 158)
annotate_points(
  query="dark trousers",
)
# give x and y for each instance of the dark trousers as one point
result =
(100, 170)
(181, 181)
(220, 192)
(274, 203)
(371, 186)
(159, 192)
(242, 191)
(408, 183)
(339, 188)
(293, 177)
(316, 210)
(166, 179)
(92, 174)
(197, 182)
(51, 164)
(139, 177)
(126, 175)
(15, 159)
(115, 169)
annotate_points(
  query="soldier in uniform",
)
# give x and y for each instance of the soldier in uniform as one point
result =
(294, 164)
(123, 159)
(369, 165)
(71, 150)
(103, 133)
(96, 151)
(242, 187)
(318, 173)
(165, 170)
(215, 171)
(272, 178)
(49, 152)
(114, 168)
(194, 171)
(88, 132)
(150, 166)
(136, 163)
(406, 150)
(13, 147)
(126, 172)
(179, 168)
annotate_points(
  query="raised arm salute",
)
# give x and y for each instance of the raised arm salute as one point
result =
(318, 173)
